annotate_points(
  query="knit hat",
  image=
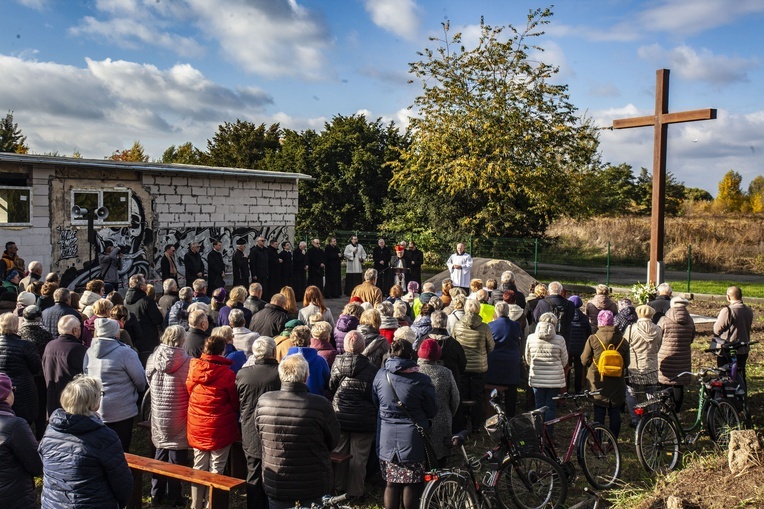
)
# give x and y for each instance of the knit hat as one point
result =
(679, 302)
(26, 299)
(624, 303)
(32, 313)
(399, 248)
(430, 350)
(576, 300)
(413, 286)
(13, 273)
(290, 325)
(220, 294)
(645, 311)
(106, 328)
(405, 333)
(604, 318)
(6, 386)
(357, 299)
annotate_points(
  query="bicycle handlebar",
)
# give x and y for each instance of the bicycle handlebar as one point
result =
(722, 347)
(584, 394)
(698, 374)
(329, 501)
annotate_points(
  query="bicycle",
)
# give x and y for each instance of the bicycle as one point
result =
(327, 502)
(660, 435)
(729, 385)
(595, 445)
(523, 477)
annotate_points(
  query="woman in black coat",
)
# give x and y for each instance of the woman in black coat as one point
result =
(21, 362)
(19, 461)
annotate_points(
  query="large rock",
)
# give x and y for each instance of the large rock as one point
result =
(745, 451)
(487, 268)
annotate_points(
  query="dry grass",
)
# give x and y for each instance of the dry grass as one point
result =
(719, 243)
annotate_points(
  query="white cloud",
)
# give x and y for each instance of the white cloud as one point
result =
(37, 5)
(396, 16)
(687, 17)
(132, 33)
(108, 104)
(702, 65)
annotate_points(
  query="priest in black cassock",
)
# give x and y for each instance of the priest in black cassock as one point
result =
(299, 266)
(381, 256)
(240, 264)
(316, 264)
(333, 284)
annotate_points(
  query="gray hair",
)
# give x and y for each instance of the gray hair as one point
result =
(664, 289)
(501, 308)
(186, 294)
(550, 318)
(236, 318)
(198, 306)
(169, 285)
(507, 276)
(405, 333)
(82, 396)
(174, 335)
(458, 301)
(62, 295)
(264, 347)
(438, 319)
(555, 288)
(67, 324)
(34, 265)
(399, 309)
(472, 307)
(136, 281)
(428, 287)
(370, 275)
(225, 331)
(199, 285)
(385, 308)
(9, 323)
(321, 331)
(293, 369)
(196, 318)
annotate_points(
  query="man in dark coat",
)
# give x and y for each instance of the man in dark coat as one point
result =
(274, 269)
(381, 256)
(301, 431)
(270, 321)
(662, 302)
(240, 264)
(416, 259)
(198, 323)
(299, 266)
(286, 264)
(255, 301)
(62, 307)
(333, 256)
(146, 313)
(316, 264)
(215, 268)
(252, 381)
(258, 263)
(168, 265)
(62, 360)
(192, 263)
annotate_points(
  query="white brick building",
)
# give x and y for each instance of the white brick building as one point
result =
(150, 206)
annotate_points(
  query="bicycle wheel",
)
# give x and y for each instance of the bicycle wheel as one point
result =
(531, 481)
(723, 417)
(599, 457)
(449, 491)
(657, 442)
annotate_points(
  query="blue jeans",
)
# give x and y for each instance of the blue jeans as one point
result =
(544, 398)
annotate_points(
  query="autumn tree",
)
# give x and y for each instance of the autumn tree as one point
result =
(134, 154)
(756, 194)
(350, 164)
(242, 144)
(11, 138)
(182, 154)
(494, 136)
(730, 197)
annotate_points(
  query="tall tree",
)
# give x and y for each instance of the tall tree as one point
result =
(11, 139)
(697, 194)
(350, 165)
(675, 193)
(494, 134)
(182, 154)
(756, 194)
(134, 154)
(616, 191)
(242, 144)
(730, 197)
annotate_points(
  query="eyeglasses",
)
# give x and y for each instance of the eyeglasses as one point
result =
(13, 389)
(103, 394)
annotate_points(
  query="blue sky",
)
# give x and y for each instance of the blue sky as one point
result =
(94, 75)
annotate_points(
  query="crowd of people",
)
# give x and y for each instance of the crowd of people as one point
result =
(292, 383)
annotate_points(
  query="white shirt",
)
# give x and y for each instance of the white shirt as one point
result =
(354, 261)
(460, 277)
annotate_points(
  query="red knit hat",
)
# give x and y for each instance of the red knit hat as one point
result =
(356, 299)
(430, 350)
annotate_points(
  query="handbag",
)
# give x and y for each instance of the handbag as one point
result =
(431, 458)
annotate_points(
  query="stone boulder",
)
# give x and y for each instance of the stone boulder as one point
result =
(487, 268)
(745, 451)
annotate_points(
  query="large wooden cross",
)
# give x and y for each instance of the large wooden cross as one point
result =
(660, 120)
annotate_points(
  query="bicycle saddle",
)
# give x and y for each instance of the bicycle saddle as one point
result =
(541, 412)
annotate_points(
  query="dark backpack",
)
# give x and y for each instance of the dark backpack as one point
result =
(558, 310)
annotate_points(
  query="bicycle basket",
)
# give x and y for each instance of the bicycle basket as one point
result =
(644, 386)
(493, 426)
(524, 432)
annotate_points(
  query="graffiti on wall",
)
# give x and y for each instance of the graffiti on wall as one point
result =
(142, 250)
(182, 239)
(67, 242)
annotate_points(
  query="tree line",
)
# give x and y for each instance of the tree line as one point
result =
(494, 148)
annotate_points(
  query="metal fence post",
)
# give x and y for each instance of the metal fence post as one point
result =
(470, 245)
(689, 265)
(607, 268)
(536, 258)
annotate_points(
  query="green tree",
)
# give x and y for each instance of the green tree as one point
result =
(675, 193)
(134, 154)
(182, 154)
(350, 165)
(615, 191)
(494, 135)
(11, 138)
(697, 194)
(242, 144)
(730, 197)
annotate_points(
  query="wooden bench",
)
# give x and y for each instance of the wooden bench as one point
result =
(219, 486)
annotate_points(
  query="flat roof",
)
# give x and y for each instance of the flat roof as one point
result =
(148, 167)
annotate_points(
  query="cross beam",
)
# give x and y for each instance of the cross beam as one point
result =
(660, 121)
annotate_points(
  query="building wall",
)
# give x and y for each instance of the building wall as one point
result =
(166, 209)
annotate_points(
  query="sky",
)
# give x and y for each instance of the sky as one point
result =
(95, 75)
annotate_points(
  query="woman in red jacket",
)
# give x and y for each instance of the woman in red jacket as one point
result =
(212, 411)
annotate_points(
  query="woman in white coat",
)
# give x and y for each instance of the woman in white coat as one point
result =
(547, 357)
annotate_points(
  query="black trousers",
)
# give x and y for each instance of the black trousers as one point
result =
(124, 430)
(256, 498)
(473, 389)
(161, 485)
(352, 280)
